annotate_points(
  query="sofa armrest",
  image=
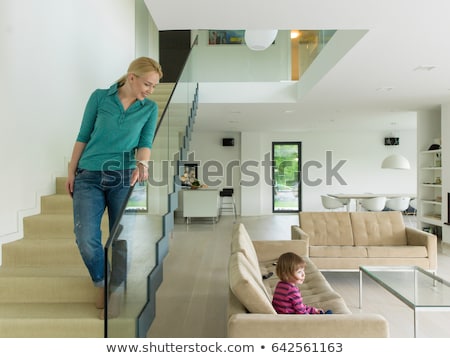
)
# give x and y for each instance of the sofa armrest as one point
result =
(267, 250)
(416, 237)
(254, 325)
(298, 234)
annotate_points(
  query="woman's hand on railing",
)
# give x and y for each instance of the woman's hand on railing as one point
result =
(140, 174)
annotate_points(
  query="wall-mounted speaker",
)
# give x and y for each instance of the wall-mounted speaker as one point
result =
(391, 141)
(228, 142)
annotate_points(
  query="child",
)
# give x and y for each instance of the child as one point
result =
(287, 297)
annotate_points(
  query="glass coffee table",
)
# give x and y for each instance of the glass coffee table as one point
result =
(419, 289)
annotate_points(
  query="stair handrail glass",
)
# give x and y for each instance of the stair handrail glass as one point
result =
(139, 240)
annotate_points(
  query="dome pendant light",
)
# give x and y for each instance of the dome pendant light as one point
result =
(259, 40)
(395, 161)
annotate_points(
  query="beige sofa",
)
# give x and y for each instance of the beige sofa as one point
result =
(250, 311)
(347, 240)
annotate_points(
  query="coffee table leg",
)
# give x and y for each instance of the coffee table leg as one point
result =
(415, 323)
(360, 289)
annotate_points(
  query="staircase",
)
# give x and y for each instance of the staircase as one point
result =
(45, 289)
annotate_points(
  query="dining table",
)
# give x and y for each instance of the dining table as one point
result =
(356, 197)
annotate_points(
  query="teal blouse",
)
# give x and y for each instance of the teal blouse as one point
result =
(111, 134)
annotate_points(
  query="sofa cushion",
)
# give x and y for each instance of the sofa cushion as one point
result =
(241, 242)
(327, 228)
(397, 251)
(246, 284)
(378, 228)
(337, 251)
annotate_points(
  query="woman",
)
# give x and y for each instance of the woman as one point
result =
(111, 153)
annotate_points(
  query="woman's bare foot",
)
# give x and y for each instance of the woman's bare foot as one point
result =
(100, 301)
(113, 306)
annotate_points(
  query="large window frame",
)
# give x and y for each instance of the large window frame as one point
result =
(286, 177)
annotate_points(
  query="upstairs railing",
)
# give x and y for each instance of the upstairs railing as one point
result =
(139, 241)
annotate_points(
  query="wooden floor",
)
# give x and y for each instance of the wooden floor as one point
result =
(192, 300)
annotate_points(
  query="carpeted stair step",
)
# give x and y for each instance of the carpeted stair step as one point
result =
(41, 252)
(56, 204)
(58, 320)
(46, 285)
(49, 225)
(61, 186)
(52, 225)
(53, 320)
(160, 96)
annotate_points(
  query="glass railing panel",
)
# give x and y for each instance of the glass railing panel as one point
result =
(131, 250)
(132, 257)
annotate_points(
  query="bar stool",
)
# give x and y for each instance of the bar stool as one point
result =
(227, 203)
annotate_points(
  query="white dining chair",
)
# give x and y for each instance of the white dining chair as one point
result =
(398, 204)
(374, 204)
(413, 205)
(344, 201)
(331, 203)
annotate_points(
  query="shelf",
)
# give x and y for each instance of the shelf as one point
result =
(431, 202)
(430, 173)
(431, 220)
(436, 151)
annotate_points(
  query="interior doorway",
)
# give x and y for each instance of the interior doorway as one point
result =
(286, 174)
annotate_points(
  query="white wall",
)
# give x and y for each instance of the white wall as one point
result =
(207, 148)
(214, 64)
(362, 151)
(54, 54)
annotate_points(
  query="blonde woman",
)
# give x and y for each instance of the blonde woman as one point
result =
(111, 153)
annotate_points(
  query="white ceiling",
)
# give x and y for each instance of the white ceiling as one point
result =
(376, 81)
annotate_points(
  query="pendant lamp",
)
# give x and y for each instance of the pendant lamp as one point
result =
(395, 161)
(259, 40)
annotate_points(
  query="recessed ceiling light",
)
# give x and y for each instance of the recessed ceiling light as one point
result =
(425, 68)
(384, 89)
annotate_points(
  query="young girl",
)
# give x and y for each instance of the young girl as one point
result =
(287, 297)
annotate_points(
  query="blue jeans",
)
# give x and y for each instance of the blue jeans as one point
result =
(94, 191)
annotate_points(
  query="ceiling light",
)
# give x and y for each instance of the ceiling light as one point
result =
(425, 68)
(259, 40)
(295, 34)
(395, 161)
(384, 89)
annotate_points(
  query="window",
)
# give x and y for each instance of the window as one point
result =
(286, 188)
